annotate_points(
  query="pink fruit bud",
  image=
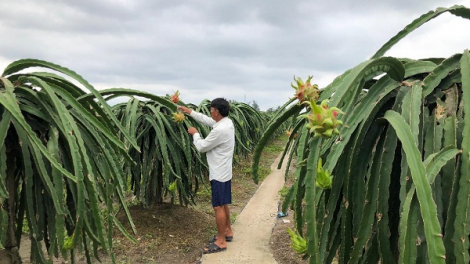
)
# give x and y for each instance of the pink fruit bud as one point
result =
(175, 98)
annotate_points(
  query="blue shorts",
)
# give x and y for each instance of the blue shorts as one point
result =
(221, 193)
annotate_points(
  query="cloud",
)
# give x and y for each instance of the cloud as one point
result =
(242, 51)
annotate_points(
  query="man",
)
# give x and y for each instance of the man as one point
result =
(218, 146)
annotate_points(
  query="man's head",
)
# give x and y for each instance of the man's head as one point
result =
(221, 106)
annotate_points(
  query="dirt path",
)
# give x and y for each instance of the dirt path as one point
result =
(254, 225)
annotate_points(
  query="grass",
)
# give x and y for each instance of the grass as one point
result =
(263, 172)
(233, 217)
(274, 149)
(283, 192)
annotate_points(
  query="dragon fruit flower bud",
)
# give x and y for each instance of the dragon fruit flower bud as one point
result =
(324, 179)
(335, 111)
(172, 186)
(328, 122)
(328, 133)
(316, 134)
(178, 117)
(305, 91)
(324, 104)
(175, 98)
(322, 121)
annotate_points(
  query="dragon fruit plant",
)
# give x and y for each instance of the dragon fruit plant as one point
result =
(401, 180)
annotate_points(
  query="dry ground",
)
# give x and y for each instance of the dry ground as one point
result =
(175, 234)
(280, 239)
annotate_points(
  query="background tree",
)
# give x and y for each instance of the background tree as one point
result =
(255, 105)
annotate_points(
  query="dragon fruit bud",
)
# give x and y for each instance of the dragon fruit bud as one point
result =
(312, 128)
(178, 117)
(322, 120)
(317, 129)
(316, 134)
(319, 117)
(319, 166)
(335, 111)
(175, 98)
(324, 179)
(305, 91)
(328, 122)
(307, 116)
(172, 186)
(328, 133)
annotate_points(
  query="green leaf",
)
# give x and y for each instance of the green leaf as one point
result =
(116, 92)
(27, 63)
(450, 187)
(434, 162)
(350, 86)
(367, 216)
(418, 67)
(383, 206)
(462, 221)
(310, 194)
(439, 73)
(457, 10)
(428, 208)
(411, 111)
(4, 126)
(9, 102)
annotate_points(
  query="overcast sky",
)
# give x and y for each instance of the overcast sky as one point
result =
(240, 50)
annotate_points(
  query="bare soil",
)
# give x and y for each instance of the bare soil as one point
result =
(170, 233)
(280, 239)
(280, 242)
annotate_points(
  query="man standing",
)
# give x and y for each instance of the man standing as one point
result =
(218, 146)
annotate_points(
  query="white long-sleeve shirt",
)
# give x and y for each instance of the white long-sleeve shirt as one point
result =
(218, 146)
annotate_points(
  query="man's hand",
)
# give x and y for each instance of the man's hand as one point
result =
(192, 130)
(185, 109)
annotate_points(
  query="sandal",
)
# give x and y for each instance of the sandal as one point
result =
(213, 248)
(227, 238)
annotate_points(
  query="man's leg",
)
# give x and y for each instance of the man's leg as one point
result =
(221, 221)
(228, 224)
(219, 199)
